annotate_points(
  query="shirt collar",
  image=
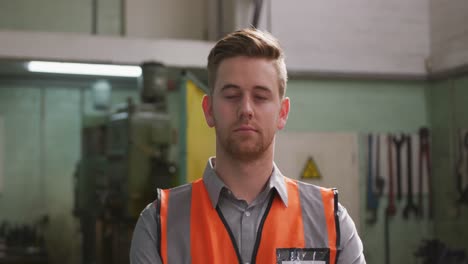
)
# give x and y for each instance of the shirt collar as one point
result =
(214, 185)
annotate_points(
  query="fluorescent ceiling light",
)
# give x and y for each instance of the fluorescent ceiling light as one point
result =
(84, 68)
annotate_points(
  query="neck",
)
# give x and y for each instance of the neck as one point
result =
(246, 179)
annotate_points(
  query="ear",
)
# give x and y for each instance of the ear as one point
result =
(207, 105)
(283, 114)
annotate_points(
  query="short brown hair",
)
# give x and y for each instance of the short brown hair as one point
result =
(250, 43)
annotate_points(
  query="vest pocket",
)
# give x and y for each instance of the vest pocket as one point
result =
(302, 256)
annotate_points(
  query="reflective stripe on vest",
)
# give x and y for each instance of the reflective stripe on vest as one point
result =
(192, 231)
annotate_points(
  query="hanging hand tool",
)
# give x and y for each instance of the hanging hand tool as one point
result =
(372, 202)
(387, 238)
(410, 206)
(379, 182)
(399, 141)
(391, 210)
(424, 155)
(462, 163)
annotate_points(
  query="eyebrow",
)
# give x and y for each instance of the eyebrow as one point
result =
(263, 88)
(234, 86)
(229, 86)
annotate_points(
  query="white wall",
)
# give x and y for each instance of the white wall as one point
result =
(449, 34)
(367, 36)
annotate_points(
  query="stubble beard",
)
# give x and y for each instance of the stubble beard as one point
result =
(238, 149)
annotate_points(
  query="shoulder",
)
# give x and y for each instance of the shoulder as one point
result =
(181, 189)
(180, 194)
(148, 216)
(314, 192)
(150, 210)
(309, 186)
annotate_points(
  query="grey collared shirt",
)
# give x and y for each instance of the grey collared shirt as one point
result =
(243, 221)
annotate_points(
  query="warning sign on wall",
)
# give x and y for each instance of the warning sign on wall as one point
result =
(311, 170)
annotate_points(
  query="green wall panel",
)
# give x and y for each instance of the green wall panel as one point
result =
(328, 105)
(20, 198)
(62, 124)
(461, 102)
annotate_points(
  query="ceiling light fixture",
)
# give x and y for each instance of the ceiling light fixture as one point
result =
(84, 68)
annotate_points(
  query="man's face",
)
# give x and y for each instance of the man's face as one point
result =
(245, 107)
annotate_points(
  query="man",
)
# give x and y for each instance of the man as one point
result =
(244, 210)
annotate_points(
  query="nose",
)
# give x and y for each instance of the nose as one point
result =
(246, 109)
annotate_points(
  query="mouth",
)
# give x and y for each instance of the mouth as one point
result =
(245, 128)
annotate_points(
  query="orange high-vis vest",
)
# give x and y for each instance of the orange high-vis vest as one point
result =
(192, 231)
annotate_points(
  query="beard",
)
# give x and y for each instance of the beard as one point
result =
(244, 147)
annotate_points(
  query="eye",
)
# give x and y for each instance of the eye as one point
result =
(231, 96)
(260, 98)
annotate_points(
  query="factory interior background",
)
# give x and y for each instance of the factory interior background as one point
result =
(379, 93)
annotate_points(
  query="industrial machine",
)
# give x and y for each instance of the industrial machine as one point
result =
(125, 157)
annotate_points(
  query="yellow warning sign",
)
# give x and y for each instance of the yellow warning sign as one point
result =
(311, 170)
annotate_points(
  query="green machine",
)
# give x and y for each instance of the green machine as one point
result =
(125, 157)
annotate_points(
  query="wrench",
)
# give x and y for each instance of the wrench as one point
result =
(391, 209)
(380, 182)
(410, 206)
(398, 144)
(424, 155)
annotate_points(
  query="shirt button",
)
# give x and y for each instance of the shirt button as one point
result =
(247, 214)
